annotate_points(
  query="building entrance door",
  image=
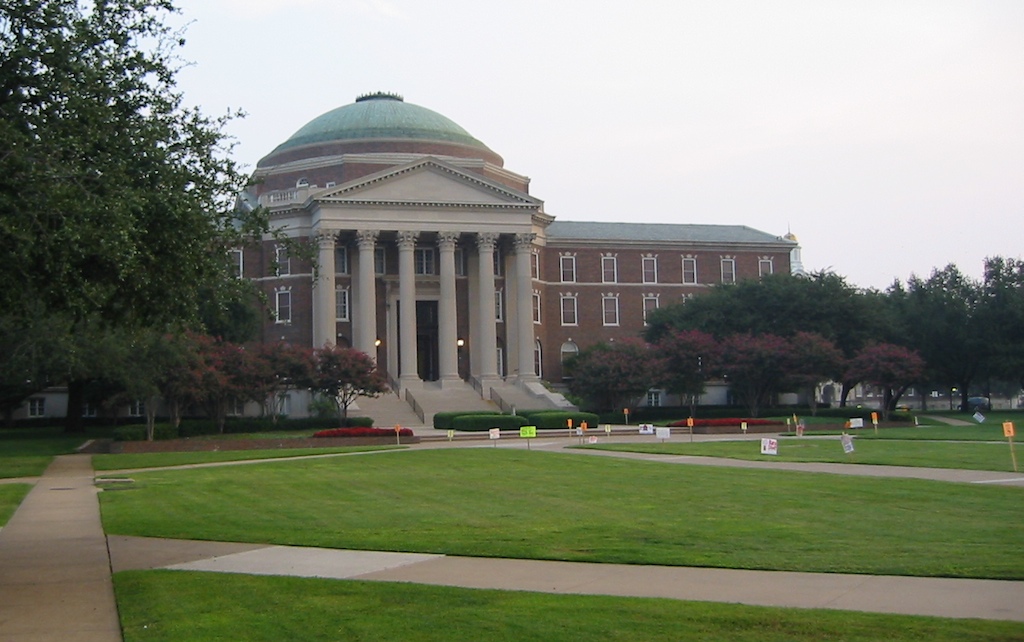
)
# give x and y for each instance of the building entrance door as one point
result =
(427, 354)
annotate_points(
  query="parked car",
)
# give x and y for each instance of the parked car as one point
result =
(975, 404)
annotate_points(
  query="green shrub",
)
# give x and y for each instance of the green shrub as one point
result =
(555, 419)
(443, 420)
(359, 422)
(479, 422)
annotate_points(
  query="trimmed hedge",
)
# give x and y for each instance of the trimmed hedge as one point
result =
(444, 420)
(478, 422)
(555, 419)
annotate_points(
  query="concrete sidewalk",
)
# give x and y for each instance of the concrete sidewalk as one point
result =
(942, 597)
(55, 579)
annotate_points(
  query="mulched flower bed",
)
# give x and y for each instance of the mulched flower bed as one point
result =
(361, 431)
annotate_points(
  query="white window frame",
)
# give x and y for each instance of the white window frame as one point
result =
(649, 269)
(283, 302)
(692, 262)
(573, 309)
(609, 269)
(499, 305)
(425, 261)
(765, 266)
(648, 308)
(237, 262)
(37, 407)
(610, 310)
(728, 275)
(536, 308)
(341, 259)
(535, 265)
(283, 261)
(137, 408)
(654, 398)
(460, 262)
(499, 264)
(567, 267)
(341, 304)
(380, 260)
(538, 358)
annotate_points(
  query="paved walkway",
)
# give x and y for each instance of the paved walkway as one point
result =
(56, 564)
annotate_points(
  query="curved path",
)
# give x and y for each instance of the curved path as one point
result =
(56, 560)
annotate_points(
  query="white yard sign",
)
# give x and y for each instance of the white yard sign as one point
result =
(769, 446)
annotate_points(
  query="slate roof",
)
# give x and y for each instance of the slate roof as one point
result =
(663, 232)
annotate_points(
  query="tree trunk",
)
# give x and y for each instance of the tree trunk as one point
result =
(73, 418)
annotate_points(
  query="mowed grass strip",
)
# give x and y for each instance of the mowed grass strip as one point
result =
(10, 498)
(927, 454)
(165, 606)
(982, 432)
(26, 452)
(128, 461)
(539, 505)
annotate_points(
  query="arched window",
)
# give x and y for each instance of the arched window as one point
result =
(569, 349)
(538, 358)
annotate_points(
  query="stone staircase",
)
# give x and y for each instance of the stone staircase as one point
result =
(387, 411)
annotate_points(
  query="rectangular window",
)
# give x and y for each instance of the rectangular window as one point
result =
(460, 262)
(379, 260)
(609, 269)
(654, 398)
(137, 408)
(341, 260)
(728, 270)
(498, 262)
(499, 308)
(283, 308)
(610, 310)
(536, 307)
(237, 267)
(568, 310)
(690, 270)
(341, 304)
(88, 410)
(36, 407)
(535, 265)
(424, 260)
(568, 267)
(650, 305)
(283, 261)
(764, 267)
(650, 269)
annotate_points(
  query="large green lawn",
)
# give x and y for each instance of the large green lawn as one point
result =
(884, 452)
(542, 505)
(169, 606)
(127, 461)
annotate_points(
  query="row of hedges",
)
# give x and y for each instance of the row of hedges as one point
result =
(543, 419)
(234, 426)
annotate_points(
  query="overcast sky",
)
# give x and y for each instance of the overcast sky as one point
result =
(887, 135)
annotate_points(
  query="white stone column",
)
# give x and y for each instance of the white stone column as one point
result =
(487, 345)
(365, 329)
(524, 306)
(408, 372)
(324, 312)
(447, 334)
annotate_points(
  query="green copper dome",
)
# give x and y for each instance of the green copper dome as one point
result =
(380, 116)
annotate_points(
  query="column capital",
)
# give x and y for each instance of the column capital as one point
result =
(524, 242)
(407, 240)
(447, 240)
(326, 238)
(486, 240)
(367, 238)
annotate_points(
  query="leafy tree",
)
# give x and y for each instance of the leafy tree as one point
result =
(272, 369)
(616, 374)
(342, 374)
(116, 200)
(690, 356)
(890, 367)
(215, 377)
(1001, 317)
(755, 367)
(814, 359)
(938, 318)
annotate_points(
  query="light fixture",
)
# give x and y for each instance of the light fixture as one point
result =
(377, 343)
(460, 342)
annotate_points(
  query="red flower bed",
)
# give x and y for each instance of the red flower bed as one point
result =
(363, 431)
(731, 421)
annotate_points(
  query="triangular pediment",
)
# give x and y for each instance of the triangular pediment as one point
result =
(427, 181)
